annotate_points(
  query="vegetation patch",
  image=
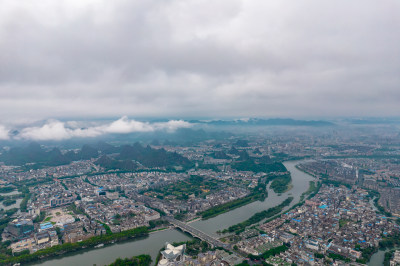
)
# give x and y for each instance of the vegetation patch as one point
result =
(6, 189)
(259, 216)
(141, 260)
(269, 253)
(9, 202)
(194, 185)
(257, 167)
(259, 193)
(281, 183)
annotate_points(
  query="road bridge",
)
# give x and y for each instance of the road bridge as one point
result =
(196, 233)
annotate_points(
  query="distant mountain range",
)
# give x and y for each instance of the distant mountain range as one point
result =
(374, 121)
(265, 122)
(126, 157)
(35, 154)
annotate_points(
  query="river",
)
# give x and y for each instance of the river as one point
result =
(152, 244)
(300, 182)
(378, 258)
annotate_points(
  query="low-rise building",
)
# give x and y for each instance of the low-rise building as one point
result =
(172, 255)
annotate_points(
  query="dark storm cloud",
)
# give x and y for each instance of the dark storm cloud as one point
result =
(198, 58)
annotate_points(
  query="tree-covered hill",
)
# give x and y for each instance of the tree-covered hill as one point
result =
(150, 157)
(126, 157)
(35, 154)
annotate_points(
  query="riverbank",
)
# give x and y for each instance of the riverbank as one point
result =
(311, 192)
(279, 184)
(304, 171)
(142, 260)
(123, 249)
(194, 220)
(314, 187)
(69, 247)
(231, 205)
(158, 230)
(156, 240)
(258, 217)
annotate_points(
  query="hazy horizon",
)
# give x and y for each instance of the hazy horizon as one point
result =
(60, 130)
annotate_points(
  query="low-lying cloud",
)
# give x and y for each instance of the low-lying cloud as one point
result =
(124, 125)
(4, 133)
(58, 130)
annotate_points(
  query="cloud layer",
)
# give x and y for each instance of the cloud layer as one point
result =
(57, 130)
(4, 133)
(230, 58)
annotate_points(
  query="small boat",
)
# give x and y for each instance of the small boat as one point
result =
(99, 245)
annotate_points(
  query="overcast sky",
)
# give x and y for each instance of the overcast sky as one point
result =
(205, 58)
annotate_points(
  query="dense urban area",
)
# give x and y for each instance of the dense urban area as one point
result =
(55, 200)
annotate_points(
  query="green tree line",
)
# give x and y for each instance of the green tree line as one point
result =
(259, 216)
(269, 253)
(68, 247)
(141, 260)
(259, 193)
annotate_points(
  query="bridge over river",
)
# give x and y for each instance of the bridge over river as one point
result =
(197, 233)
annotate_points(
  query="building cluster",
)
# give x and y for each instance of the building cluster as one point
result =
(81, 229)
(194, 205)
(395, 261)
(176, 256)
(333, 169)
(379, 175)
(25, 235)
(73, 210)
(119, 214)
(14, 174)
(135, 181)
(259, 244)
(337, 221)
(80, 201)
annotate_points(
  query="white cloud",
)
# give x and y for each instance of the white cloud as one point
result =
(54, 130)
(4, 133)
(172, 125)
(124, 125)
(57, 130)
